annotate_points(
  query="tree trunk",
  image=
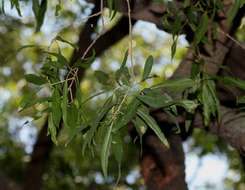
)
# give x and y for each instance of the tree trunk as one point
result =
(163, 168)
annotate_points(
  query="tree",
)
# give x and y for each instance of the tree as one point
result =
(196, 96)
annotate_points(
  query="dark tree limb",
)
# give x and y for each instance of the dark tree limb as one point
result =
(163, 168)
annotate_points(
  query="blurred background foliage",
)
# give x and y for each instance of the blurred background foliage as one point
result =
(68, 169)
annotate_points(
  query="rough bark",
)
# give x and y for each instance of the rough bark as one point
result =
(163, 168)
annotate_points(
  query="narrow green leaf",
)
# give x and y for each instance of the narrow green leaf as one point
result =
(64, 104)
(233, 11)
(153, 125)
(201, 29)
(102, 77)
(122, 70)
(38, 80)
(105, 151)
(177, 84)
(235, 82)
(59, 38)
(148, 67)
(52, 129)
(95, 122)
(39, 10)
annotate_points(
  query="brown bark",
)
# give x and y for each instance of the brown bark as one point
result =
(163, 168)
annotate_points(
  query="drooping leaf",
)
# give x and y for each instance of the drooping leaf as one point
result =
(147, 68)
(39, 10)
(176, 84)
(102, 77)
(122, 74)
(64, 103)
(105, 150)
(153, 125)
(234, 82)
(95, 122)
(59, 38)
(201, 29)
(117, 151)
(52, 130)
(128, 115)
(38, 80)
(234, 9)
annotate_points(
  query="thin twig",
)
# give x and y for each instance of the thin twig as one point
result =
(131, 38)
(232, 39)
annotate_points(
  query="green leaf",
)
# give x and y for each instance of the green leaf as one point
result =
(141, 129)
(52, 130)
(154, 98)
(147, 68)
(189, 105)
(95, 122)
(39, 10)
(57, 9)
(15, 4)
(176, 84)
(38, 80)
(56, 107)
(235, 82)
(234, 9)
(117, 151)
(209, 100)
(122, 74)
(59, 38)
(64, 104)
(152, 124)
(105, 151)
(102, 77)
(201, 29)
(128, 115)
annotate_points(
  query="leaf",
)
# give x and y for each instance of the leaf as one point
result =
(57, 9)
(201, 29)
(148, 67)
(59, 38)
(56, 107)
(102, 77)
(176, 84)
(105, 151)
(154, 98)
(141, 129)
(52, 129)
(15, 3)
(209, 100)
(39, 10)
(174, 47)
(153, 125)
(31, 100)
(128, 115)
(64, 103)
(235, 82)
(122, 71)
(117, 151)
(38, 80)
(189, 105)
(234, 9)
(95, 122)
(85, 63)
